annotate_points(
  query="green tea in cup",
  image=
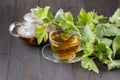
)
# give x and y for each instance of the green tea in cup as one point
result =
(64, 46)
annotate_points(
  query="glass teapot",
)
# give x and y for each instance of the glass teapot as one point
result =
(26, 30)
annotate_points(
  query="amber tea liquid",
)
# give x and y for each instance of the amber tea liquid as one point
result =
(65, 46)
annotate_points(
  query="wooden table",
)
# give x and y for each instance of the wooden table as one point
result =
(19, 61)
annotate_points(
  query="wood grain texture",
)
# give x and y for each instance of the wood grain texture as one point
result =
(23, 62)
(4, 67)
(105, 7)
(27, 63)
(23, 7)
(6, 17)
(67, 5)
(54, 71)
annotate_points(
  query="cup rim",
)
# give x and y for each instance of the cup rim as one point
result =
(51, 40)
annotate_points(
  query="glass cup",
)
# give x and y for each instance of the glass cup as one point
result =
(64, 46)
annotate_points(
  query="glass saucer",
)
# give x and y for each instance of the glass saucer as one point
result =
(49, 55)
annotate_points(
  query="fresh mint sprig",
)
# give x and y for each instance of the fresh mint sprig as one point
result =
(46, 17)
(41, 34)
(65, 21)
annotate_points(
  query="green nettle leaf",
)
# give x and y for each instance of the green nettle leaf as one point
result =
(50, 16)
(65, 21)
(109, 52)
(89, 64)
(112, 64)
(42, 13)
(116, 17)
(112, 31)
(118, 51)
(107, 41)
(41, 34)
(68, 16)
(59, 17)
(106, 30)
(64, 25)
(99, 31)
(98, 18)
(83, 17)
(82, 13)
(45, 36)
(116, 45)
(97, 34)
(101, 47)
(88, 18)
(89, 34)
(103, 52)
(101, 56)
(88, 50)
(89, 38)
(82, 42)
(91, 26)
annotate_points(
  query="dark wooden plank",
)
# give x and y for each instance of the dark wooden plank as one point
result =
(110, 75)
(25, 62)
(55, 71)
(67, 5)
(30, 64)
(105, 7)
(6, 17)
(3, 66)
(23, 7)
(82, 74)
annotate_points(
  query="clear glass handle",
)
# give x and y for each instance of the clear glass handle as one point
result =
(12, 27)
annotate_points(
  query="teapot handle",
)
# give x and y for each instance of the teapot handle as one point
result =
(12, 27)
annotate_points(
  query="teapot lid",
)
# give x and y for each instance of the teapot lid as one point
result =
(30, 17)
